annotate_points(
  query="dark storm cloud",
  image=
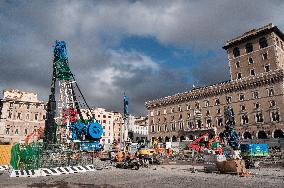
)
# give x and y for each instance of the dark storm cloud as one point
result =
(92, 28)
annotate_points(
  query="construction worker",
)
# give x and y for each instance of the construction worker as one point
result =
(119, 156)
(169, 152)
(219, 150)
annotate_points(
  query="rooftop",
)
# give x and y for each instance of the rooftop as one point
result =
(254, 33)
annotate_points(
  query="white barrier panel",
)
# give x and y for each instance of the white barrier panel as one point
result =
(89, 167)
(52, 171)
(64, 170)
(4, 167)
(25, 173)
(80, 169)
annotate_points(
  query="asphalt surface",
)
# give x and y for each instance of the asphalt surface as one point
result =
(162, 176)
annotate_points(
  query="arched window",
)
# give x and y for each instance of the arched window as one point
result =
(236, 52)
(263, 42)
(249, 47)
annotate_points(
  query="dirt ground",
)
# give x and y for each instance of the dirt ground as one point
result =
(161, 176)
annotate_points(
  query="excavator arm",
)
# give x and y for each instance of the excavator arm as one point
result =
(194, 144)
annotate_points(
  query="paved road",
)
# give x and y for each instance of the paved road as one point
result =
(163, 176)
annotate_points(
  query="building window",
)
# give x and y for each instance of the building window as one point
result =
(217, 102)
(256, 105)
(159, 128)
(151, 114)
(266, 68)
(36, 116)
(7, 130)
(198, 125)
(191, 125)
(207, 113)
(255, 94)
(239, 75)
(165, 119)
(158, 112)
(208, 123)
(9, 114)
(229, 99)
(242, 97)
(173, 126)
(153, 128)
(218, 111)
(43, 117)
(272, 103)
(250, 60)
(180, 116)
(206, 103)
(236, 52)
(165, 110)
(244, 119)
(166, 127)
(264, 56)
(249, 47)
(181, 125)
(275, 116)
(252, 72)
(237, 64)
(197, 105)
(263, 42)
(16, 131)
(220, 122)
(26, 131)
(11, 104)
(172, 110)
(258, 117)
(243, 107)
(188, 115)
(104, 121)
(173, 117)
(187, 107)
(270, 92)
(18, 115)
(179, 108)
(277, 41)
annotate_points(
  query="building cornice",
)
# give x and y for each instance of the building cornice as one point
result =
(219, 89)
(254, 34)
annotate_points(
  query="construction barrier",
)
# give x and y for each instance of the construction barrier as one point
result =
(4, 167)
(25, 173)
(52, 171)
(5, 154)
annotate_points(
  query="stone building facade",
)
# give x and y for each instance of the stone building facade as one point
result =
(255, 93)
(21, 113)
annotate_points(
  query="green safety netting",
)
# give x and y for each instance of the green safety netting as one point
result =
(62, 70)
(15, 156)
(26, 157)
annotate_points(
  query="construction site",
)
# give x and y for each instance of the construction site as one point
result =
(68, 151)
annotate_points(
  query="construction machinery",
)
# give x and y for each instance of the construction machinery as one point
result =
(194, 145)
(230, 160)
(70, 136)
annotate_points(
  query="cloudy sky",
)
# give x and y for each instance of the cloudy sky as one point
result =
(147, 49)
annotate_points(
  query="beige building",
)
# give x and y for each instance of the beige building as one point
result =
(21, 113)
(117, 126)
(110, 121)
(255, 92)
(140, 129)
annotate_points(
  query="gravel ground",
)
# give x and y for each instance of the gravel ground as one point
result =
(156, 176)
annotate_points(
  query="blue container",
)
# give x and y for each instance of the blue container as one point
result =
(254, 150)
